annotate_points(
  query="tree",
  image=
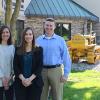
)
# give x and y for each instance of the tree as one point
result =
(11, 17)
(8, 12)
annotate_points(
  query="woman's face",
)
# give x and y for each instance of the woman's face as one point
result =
(5, 34)
(28, 36)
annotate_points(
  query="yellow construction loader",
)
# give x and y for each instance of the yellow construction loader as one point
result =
(83, 47)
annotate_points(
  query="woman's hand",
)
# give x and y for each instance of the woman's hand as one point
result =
(5, 82)
(25, 81)
(28, 82)
(22, 78)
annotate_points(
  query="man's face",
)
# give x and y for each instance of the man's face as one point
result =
(49, 27)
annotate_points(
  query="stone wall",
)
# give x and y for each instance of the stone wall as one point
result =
(77, 26)
(36, 23)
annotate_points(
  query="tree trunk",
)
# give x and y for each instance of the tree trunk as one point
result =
(8, 12)
(14, 18)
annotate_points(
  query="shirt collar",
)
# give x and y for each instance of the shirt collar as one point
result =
(52, 37)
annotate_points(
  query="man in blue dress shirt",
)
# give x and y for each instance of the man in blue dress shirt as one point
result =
(56, 61)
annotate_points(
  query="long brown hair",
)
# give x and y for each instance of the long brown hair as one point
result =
(23, 43)
(9, 42)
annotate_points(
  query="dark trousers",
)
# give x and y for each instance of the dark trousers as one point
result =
(32, 92)
(8, 93)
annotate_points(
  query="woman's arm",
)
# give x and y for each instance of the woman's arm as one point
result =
(16, 65)
(32, 77)
(39, 61)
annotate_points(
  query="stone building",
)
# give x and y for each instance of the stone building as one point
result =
(93, 6)
(71, 18)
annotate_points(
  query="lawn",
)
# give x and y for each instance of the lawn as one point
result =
(83, 85)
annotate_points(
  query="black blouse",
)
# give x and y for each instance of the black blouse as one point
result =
(37, 62)
(27, 60)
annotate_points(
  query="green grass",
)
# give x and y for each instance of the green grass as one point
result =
(84, 85)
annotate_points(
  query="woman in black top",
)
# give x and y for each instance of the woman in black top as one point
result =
(28, 62)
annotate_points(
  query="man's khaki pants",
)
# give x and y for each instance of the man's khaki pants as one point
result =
(51, 78)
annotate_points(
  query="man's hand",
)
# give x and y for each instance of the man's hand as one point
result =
(63, 79)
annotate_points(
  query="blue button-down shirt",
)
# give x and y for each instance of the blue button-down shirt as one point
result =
(55, 51)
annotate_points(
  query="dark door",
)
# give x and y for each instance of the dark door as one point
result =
(19, 28)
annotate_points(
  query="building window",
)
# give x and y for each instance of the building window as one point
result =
(64, 30)
(22, 6)
(2, 3)
(14, 4)
(23, 1)
(88, 28)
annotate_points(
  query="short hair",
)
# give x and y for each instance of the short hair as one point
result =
(50, 19)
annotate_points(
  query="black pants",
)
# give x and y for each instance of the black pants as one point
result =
(32, 92)
(9, 94)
